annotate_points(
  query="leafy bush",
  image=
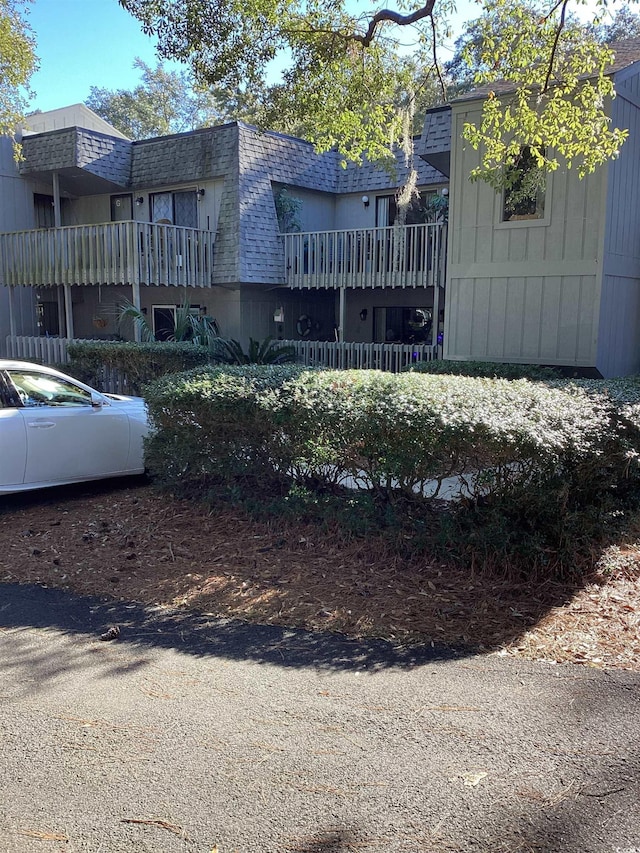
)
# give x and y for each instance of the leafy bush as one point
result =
(393, 433)
(531, 462)
(485, 369)
(212, 427)
(138, 363)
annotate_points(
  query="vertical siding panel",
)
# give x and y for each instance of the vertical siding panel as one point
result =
(574, 220)
(514, 318)
(463, 340)
(481, 308)
(549, 318)
(497, 317)
(587, 332)
(532, 313)
(569, 293)
(518, 244)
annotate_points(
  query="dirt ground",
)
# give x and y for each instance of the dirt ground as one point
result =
(131, 543)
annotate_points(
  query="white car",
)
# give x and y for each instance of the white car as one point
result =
(56, 430)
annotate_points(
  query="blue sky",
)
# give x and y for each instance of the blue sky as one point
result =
(84, 43)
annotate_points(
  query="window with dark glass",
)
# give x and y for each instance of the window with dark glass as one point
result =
(175, 208)
(423, 208)
(402, 325)
(524, 192)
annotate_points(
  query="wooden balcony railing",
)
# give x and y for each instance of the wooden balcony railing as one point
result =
(108, 253)
(407, 256)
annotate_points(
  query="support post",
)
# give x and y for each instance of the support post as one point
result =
(135, 298)
(435, 320)
(12, 311)
(57, 216)
(68, 312)
(342, 312)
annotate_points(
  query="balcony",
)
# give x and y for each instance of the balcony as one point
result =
(399, 256)
(133, 253)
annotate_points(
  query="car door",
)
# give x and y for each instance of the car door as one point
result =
(67, 436)
(13, 439)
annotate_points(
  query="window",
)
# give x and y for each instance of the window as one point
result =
(41, 389)
(402, 325)
(164, 321)
(8, 397)
(423, 208)
(525, 189)
(178, 208)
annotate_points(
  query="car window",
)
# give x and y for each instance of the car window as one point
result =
(8, 398)
(42, 389)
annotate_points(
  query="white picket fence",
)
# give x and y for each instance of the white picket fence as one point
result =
(361, 356)
(338, 356)
(42, 349)
(54, 351)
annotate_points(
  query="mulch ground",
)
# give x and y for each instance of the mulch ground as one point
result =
(135, 544)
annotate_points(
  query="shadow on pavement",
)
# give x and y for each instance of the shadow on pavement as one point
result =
(30, 606)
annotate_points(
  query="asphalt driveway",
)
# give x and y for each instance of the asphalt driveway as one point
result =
(191, 734)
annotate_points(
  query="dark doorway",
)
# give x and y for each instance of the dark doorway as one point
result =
(121, 208)
(164, 321)
(48, 319)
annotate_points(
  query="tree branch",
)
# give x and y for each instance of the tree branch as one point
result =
(554, 49)
(436, 63)
(395, 18)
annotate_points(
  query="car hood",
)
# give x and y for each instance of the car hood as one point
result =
(130, 404)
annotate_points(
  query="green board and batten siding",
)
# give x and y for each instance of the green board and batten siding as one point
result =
(523, 291)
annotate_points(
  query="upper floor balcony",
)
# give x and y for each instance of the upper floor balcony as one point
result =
(397, 256)
(133, 253)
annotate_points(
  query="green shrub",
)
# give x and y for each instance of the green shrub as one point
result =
(541, 466)
(389, 433)
(485, 369)
(213, 427)
(138, 363)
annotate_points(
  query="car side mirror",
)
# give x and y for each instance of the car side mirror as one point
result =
(96, 402)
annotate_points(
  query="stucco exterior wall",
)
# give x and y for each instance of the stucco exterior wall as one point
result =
(525, 291)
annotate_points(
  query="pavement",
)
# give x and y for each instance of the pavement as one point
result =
(189, 733)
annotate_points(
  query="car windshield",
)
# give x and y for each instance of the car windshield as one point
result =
(41, 389)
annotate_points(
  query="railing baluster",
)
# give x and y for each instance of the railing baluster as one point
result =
(407, 256)
(108, 253)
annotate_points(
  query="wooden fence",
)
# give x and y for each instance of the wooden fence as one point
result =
(338, 356)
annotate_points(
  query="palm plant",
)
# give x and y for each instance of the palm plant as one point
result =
(198, 329)
(265, 352)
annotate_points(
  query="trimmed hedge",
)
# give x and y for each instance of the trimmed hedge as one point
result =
(138, 363)
(485, 369)
(270, 427)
